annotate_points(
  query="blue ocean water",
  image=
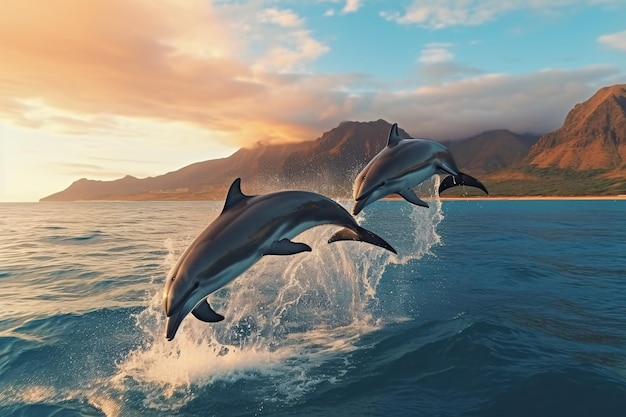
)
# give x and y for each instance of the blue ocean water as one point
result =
(491, 308)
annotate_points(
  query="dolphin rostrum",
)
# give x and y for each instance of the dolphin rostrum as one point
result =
(402, 165)
(249, 228)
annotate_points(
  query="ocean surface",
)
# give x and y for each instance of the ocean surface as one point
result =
(491, 308)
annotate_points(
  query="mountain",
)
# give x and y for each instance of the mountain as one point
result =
(585, 156)
(331, 162)
(490, 151)
(327, 164)
(593, 136)
(199, 181)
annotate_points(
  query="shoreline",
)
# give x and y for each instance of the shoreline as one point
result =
(524, 198)
(390, 198)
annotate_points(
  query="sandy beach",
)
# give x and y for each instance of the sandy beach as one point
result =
(599, 197)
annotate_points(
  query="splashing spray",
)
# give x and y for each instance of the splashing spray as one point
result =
(305, 306)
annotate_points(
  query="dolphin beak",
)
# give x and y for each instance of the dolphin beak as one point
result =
(171, 326)
(358, 206)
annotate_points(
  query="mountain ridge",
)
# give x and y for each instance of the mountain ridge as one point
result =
(327, 164)
(586, 155)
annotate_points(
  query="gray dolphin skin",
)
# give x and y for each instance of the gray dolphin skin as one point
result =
(249, 228)
(402, 165)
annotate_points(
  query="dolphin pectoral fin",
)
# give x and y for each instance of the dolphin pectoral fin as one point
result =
(287, 247)
(412, 198)
(362, 235)
(461, 179)
(205, 313)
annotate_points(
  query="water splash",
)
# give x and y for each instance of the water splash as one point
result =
(425, 222)
(283, 317)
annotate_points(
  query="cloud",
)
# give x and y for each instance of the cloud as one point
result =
(437, 65)
(297, 49)
(87, 65)
(286, 18)
(436, 52)
(614, 40)
(533, 102)
(445, 71)
(437, 14)
(234, 74)
(351, 6)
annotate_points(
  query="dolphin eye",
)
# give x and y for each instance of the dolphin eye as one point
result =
(196, 285)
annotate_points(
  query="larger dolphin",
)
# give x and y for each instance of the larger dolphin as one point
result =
(402, 165)
(249, 228)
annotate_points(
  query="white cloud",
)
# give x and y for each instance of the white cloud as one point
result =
(437, 65)
(289, 44)
(437, 14)
(296, 50)
(351, 6)
(436, 52)
(285, 18)
(614, 40)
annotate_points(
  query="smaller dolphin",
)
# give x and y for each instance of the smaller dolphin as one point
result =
(402, 165)
(249, 228)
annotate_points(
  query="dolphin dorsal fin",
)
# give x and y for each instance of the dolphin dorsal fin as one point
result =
(234, 195)
(394, 138)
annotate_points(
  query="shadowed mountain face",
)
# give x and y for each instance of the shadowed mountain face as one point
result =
(490, 151)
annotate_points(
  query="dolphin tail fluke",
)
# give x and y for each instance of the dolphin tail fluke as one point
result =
(362, 235)
(205, 313)
(461, 179)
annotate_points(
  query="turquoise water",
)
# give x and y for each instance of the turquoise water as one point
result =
(491, 308)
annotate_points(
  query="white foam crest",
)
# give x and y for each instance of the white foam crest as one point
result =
(108, 406)
(43, 394)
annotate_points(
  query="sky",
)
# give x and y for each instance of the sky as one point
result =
(101, 89)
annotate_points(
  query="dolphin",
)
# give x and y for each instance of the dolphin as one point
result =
(248, 228)
(402, 165)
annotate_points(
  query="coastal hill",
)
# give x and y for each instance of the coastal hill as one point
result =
(327, 165)
(585, 156)
(593, 136)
